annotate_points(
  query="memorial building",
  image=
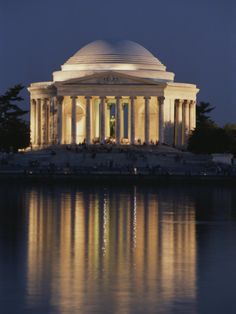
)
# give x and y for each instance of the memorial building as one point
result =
(112, 92)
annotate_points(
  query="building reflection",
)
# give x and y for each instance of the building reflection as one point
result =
(115, 248)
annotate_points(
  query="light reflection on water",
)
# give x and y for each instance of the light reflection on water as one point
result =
(71, 249)
(113, 252)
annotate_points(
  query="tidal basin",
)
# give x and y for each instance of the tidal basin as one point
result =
(73, 248)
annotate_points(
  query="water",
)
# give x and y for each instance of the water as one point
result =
(75, 249)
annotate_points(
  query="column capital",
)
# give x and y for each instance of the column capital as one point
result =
(59, 99)
(45, 99)
(132, 97)
(186, 102)
(118, 97)
(102, 97)
(179, 101)
(88, 97)
(33, 101)
(147, 97)
(161, 100)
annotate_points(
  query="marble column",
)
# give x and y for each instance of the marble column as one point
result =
(59, 101)
(33, 122)
(178, 123)
(50, 121)
(73, 119)
(39, 120)
(147, 120)
(88, 119)
(192, 115)
(161, 100)
(118, 116)
(132, 120)
(102, 119)
(44, 120)
(185, 115)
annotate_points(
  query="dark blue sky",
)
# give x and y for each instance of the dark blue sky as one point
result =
(193, 38)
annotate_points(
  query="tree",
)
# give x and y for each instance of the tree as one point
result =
(230, 130)
(207, 137)
(202, 117)
(14, 130)
(207, 140)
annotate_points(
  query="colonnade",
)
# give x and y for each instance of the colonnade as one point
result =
(47, 120)
(185, 121)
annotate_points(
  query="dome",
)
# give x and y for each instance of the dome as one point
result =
(123, 56)
(121, 52)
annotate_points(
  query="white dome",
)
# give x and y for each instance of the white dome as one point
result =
(122, 52)
(123, 56)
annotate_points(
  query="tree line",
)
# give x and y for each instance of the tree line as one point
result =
(206, 138)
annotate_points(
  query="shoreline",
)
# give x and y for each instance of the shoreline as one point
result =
(115, 178)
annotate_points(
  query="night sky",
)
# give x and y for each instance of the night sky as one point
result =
(193, 38)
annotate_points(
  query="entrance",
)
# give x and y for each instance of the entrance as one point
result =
(112, 121)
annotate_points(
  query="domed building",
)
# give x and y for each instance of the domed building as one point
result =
(115, 92)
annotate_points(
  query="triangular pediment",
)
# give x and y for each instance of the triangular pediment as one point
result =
(109, 78)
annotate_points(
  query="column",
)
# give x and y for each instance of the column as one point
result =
(49, 121)
(59, 101)
(33, 122)
(118, 113)
(44, 120)
(39, 120)
(178, 122)
(88, 119)
(161, 100)
(185, 128)
(73, 119)
(192, 115)
(102, 119)
(147, 120)
(132, 120)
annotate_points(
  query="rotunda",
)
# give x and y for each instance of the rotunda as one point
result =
(112, 92)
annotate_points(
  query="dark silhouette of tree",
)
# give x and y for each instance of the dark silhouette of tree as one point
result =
(14, 130)
(207, 137)
(202, 115)
(230, 130)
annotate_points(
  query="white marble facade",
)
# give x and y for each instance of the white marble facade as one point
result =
(112, 92)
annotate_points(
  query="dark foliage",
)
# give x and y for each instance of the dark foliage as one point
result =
(208, 137)
(14, 130)
(209, 140)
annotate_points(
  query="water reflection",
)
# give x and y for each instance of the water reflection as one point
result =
(110, 251)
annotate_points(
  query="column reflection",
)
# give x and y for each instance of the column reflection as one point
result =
(110, 251)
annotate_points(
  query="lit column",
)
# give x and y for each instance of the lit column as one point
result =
(185, 121)
(102, 119)
(33, 122)
(50, 120)
(44, 121)
(118, 111)
(147, 120)
(178, 122)
(88, 119)
(39, 118)
(73, 119)
(132, 120)
(59, 119)
(192, 115)
(161, 100)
